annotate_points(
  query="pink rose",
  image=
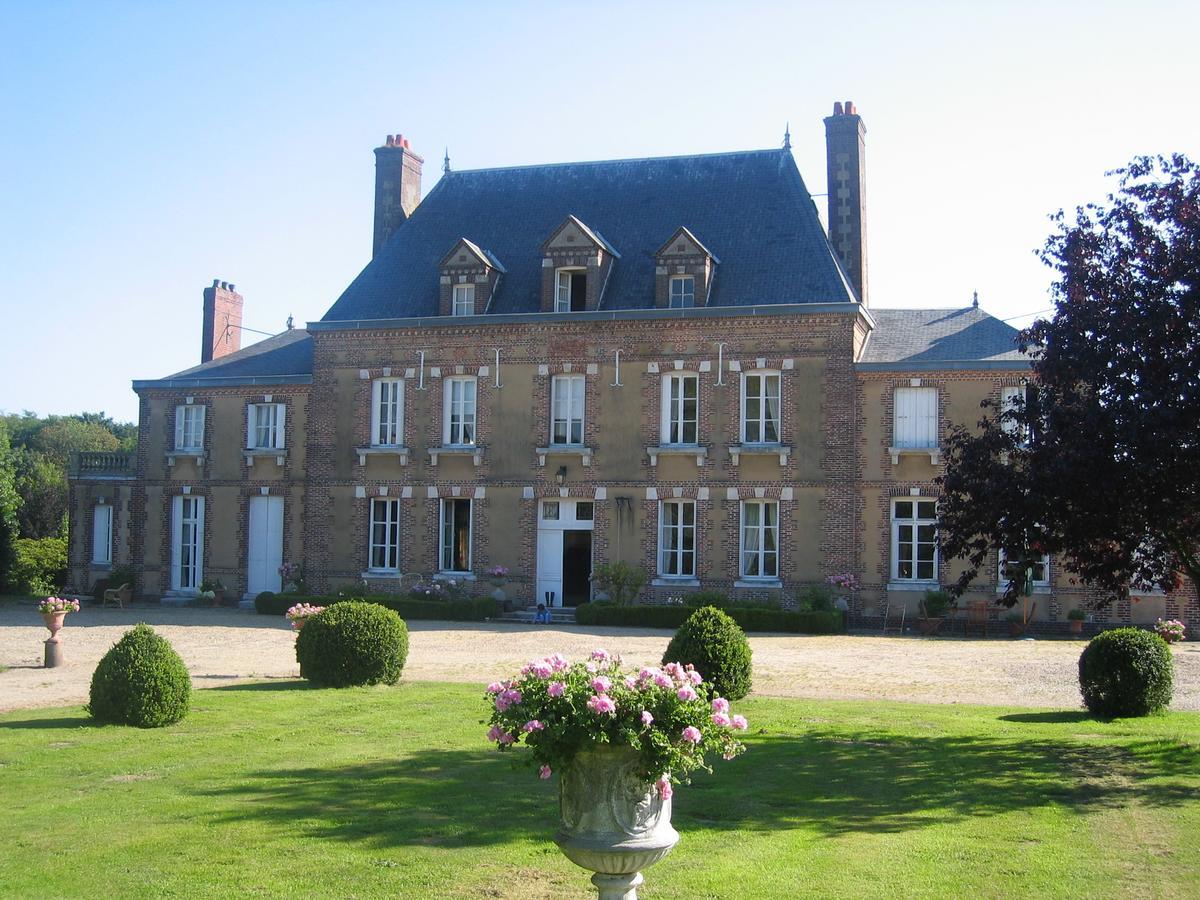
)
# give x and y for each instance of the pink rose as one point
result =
(663, 680)
(630, 682)
(558, 662)
(720, 719)
(506, 738)
(647, 719)
(601, 655)
(694, 677)
(542, 669)
(665, 791)
(556, 689)
(495, 687)
(602, 704)
(740, 723)
(685, 693)
(601, 684)
(720, 704)
(494, 733)
(544, 772)
(691, 734)
(532, 725)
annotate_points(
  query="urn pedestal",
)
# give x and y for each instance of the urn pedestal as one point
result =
(612, 822)
(54, 651)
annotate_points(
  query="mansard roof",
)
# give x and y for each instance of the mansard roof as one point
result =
(940, 339)
(751, 209)
(286, 358)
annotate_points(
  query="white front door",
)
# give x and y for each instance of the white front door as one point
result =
(266, 545)
(550, 566)
(187, 543)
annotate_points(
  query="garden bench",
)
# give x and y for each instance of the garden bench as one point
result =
(119, 596)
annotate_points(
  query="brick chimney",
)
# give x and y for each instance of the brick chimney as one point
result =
(845, 149)
(222, 325)
(397, 187)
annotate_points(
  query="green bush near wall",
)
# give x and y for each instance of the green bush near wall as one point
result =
(749, 618)
(475, 609)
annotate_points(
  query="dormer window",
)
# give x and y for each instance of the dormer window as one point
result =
(464, 299)
(570, 291)
(683, 292)
(469, 277)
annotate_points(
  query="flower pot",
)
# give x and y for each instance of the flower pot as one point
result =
(929, 626)
(54, 621)
(218, 597)
(298, 623)
(612, 822)
(1076, 626)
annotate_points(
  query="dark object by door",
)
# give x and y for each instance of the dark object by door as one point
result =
(577, 567)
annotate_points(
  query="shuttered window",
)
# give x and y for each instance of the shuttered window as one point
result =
(916, 418)
(189, 427)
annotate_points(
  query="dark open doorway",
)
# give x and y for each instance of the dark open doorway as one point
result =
(577, 567)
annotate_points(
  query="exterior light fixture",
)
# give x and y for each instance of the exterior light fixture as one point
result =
(561, 475)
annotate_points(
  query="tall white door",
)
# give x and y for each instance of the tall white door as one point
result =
(550, 566)
(266, 545)
(187, 543)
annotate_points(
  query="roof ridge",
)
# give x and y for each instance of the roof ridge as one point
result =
(614, 162)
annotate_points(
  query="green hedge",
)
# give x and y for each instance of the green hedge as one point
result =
(476, 609)
(39, 566)
(749, 618)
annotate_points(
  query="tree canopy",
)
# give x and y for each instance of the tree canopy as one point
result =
(1099, 463)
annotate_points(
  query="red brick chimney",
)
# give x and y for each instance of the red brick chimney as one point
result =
(222, 324)
(397, 187)
(845, 149)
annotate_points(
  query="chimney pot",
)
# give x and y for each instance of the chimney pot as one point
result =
(837, 108)
(216, 281)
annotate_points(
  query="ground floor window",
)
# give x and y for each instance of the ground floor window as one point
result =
(760, 539)
(1040, 575)
(456, 536)
(102, 520)
(384, 551)
(677, 539)
(914, 540)
(188, 543)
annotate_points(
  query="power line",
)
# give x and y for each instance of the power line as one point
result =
(1036, 312)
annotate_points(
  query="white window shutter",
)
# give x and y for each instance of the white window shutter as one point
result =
(250, 410)
(200, 414)
(279, 423)
(904, 417)
(179, 415)
(929, 417)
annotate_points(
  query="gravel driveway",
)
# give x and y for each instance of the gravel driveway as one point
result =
(221, 646)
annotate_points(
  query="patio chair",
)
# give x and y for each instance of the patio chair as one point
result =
(977, 614)
(119, 596)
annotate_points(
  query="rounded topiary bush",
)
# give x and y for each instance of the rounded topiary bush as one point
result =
(141, 681)
(712, 642)
(353, 643)
(1126, 672)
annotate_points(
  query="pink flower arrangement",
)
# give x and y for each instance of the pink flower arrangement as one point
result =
(496, 572)
(667, 714)
(847, 581)
(58, 605)
(301, 612)
(1170, 630)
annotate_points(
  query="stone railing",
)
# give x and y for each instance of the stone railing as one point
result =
(108, 464)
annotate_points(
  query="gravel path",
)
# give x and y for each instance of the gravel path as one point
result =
(222, 646)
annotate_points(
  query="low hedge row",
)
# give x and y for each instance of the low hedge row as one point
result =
(476, 609)
(749, 618)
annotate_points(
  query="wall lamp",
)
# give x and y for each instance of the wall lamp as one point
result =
(561, 475)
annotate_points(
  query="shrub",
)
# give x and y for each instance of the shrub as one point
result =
(756, 618)
(1076, 615)
(140, 681)
(816, 598)
(935, 604)
(268, 603)
(40, 566)
(353, 643)
(621, 581)
(706, 597)
(1126, 672)
(712, 642)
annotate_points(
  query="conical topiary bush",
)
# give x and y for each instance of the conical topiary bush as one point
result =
(140, 681)
(712, 642)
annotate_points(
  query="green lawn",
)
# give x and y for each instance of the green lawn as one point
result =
(279, 790)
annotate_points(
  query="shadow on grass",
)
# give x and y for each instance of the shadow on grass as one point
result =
(288, 684)
(829, 782)
(81, 721)
(1055, 717)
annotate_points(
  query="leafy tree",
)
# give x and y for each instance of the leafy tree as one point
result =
(1101, 465)
(10, 502)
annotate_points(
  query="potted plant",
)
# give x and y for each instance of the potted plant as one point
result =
(54, 611)
(1075, 619)
(1170, 630)
(932, 611)
(301, 613)
(497, 575)
(620, 581)
(292, 576)
(213, 590)
(845, 585)
(619, 741)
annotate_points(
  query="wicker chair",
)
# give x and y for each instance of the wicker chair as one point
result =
(119, 596)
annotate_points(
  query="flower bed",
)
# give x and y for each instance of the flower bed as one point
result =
(749, 618)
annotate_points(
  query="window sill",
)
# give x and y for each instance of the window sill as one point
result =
(934, 454)
(399, 451)
(914, 586)
(675, 581)
(381, 575)
(475, 452)
(96, 564)
(454, 576)
(1039, 590)
(758, 583)
(564, 450)
(700, 453)
(252, 453)
(197, 455)
(736, 451)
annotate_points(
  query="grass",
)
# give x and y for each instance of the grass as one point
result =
(279, 790)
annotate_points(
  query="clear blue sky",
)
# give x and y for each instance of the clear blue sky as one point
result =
(150, 148)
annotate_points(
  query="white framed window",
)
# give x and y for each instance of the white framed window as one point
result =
(1013, 397)
(760, 539)
(680, 409)
(916, 418)
(462, 298)
(566, 410)
(761, 408)
(914, 540)
(264, 426)
(189, 427)
(458, 419)
(187, 542)
(102, 525)
(677, 539)
(455, 550)
(384, 548)
(683, 292)
(570, 290)
(1007, 572)
(387, 412)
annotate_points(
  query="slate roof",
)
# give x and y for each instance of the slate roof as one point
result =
(286, 356)
(937, 338)
(751, 209)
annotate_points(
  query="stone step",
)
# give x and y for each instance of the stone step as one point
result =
(558, 616)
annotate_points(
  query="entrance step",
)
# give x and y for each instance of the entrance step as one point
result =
(558, 615)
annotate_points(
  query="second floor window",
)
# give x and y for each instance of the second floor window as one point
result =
(459, 418)
(463, 298)
(384, 549)
(680, 413)
(570, 290)
(683, 292)
(189, 427)
(265, 426)
(916, 418)
(760, 539)
(761, 412)
(387, 411)
(677, 539)
(566, 409)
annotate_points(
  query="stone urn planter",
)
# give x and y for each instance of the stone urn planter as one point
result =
(54, 654)
(612, 822)
(54, 621)
(1076, 626)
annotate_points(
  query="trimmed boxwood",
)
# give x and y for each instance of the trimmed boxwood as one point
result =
(712, 642)
(351, 643)
(1126, 672)
(140, 681)
(751, 618)
(268, 603)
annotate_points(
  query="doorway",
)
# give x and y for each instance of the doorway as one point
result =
(564, 552)
(577, 567)
(264, 545)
